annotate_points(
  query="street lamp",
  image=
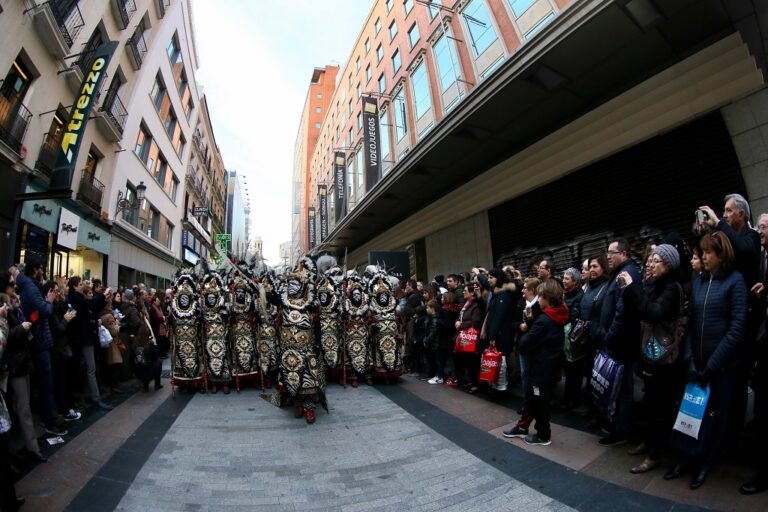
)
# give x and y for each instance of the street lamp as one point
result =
(124, 204)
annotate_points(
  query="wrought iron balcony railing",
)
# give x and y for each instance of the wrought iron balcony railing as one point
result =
(126, 9)
(68, 17)
(91, 191)
(137, 48)
(46, 159)
(114, 109)
(14, 117)
(162, 5)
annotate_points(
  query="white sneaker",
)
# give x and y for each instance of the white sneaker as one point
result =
(433, 380)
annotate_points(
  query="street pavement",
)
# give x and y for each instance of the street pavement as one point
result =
(239, 452)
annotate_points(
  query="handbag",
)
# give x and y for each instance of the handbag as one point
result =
(105, 337)
(660, 343)
(605, 382)
(572, 352)
(579, 333)
(490, 366)
(466, 341)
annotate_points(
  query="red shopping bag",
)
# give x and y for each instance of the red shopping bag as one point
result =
(466, 341)
(490, 365)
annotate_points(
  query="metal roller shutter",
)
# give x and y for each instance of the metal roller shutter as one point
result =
(641, 193)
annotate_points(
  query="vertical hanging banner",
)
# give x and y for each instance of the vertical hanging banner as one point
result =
(311, 227)
(371, 141)
(339, 186)
(66, 159)
(322, 195)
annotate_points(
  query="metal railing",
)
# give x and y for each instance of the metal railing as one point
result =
(162, 5)
(194, 182)
(91, 191)
(14, 117)
(126, 8)
(137, 46)
(46, 159)
(114, 109)
(68, 18)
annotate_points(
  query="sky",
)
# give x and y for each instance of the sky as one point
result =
(256, 62)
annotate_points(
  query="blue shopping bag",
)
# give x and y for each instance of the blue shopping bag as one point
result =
(605, 382)
(692, 409)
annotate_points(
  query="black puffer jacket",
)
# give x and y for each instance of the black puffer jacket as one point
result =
(543, 345)
(501, 318)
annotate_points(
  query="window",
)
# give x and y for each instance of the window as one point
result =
(153, 224)
(446, 61)
(143, 142)
(171, 124)
(357, 64)
(160, 170)
(433, 9)
(129, 215)
(377, 25)
(384, 135)
(176, 59)
(349, 79)
(407, 6)
(182, 143)
(359, 170)
(317, 126)
(158, 92)
(379, 53)
(169, 235)
(367, 45)
(395, 61)
(367, 73)
(319, 96)
(184, 92)
(351, 137)
(421, 90)
(539, 25)
(343, 122)
(413, 34)
(358, 91)
(478, 21)
(392, 30)
(389, 5)
(350, 179)
(382, 83)
(520, 6)
(174, 188)
(359, 120)
(318, 109)
(401, 119)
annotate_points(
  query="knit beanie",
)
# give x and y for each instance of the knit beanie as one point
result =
(668, 255)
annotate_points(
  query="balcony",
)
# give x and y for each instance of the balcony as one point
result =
(137, 49)
(14, 118)
(195, 184)
(58, 23)
(111, 116)
(90, 191)
(123, 11)
(162, 6)
(46, 159)
(76, 71)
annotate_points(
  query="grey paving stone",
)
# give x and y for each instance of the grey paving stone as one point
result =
(239, 452)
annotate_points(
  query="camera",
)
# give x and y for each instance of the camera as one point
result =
(701, 216)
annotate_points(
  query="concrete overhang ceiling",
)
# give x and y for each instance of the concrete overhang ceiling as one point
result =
(608, 48)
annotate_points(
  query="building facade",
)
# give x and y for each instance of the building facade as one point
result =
(123, 218)
(321, 89)
(238, 212)
(500, 119)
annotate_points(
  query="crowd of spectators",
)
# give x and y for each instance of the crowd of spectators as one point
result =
(67, 347)
(708, 292)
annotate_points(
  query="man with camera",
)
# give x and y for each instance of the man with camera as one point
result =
(735, 224)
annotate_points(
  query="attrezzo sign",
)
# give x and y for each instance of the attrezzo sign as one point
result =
(66, 159)
(371, 142)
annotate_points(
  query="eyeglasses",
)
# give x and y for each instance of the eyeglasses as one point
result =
(610, 251)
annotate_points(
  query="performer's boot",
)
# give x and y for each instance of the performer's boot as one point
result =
(226, 389)
(310, 416)
(369, 380)
(299, 412)
(214, 389)
(354, 382)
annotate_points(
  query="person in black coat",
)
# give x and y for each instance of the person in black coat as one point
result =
(499, 327)
(659, 305)
(574, 360)
(542, 345)
(83, 330)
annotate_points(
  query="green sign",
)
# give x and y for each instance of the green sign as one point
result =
(224, 237)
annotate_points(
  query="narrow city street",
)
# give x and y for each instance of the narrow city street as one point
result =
(399, 447)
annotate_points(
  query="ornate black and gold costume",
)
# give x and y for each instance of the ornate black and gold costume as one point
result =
(185, 327)
(214, 309)
(301, 367)
(355, 318)
(266, 329)
(242, 312)
(387, 356)
(329, 301)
